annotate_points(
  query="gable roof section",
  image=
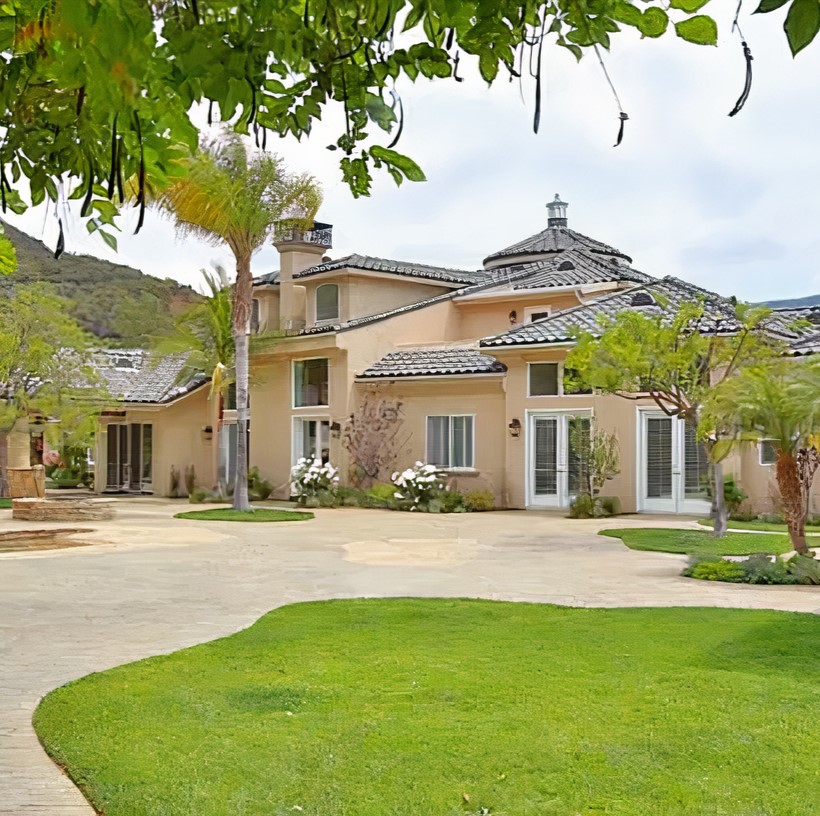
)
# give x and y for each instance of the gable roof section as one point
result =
(555, 239)
(368, 263)
(563, 327)
(134, 375)
(432, 361)
(268, 279)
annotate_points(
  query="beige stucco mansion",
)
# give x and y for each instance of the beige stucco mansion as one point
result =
(463, 369)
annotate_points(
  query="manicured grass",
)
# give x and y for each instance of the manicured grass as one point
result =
(760, 525)
(449, 708)
(5, 504)
(699, 542)
(260, 514)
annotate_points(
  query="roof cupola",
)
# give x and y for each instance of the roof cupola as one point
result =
(557, 210)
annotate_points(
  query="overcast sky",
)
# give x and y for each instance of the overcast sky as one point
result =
(729, 204)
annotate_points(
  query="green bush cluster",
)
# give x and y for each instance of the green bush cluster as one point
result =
(756, 569)
(585, 506)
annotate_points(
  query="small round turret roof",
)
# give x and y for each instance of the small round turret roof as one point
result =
(557, 237)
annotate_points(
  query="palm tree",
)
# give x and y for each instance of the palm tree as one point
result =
(204, 333)
(777, 402)
(232, 195)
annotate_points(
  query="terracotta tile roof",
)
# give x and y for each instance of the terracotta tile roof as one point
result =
(555, 239)
(663, 296)
(134, 375)
(433, 361)
(403, 268)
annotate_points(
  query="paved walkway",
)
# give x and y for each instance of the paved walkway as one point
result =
(151, 584)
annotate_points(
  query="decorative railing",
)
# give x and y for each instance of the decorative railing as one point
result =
(319, 235)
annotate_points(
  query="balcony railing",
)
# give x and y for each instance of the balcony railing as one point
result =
(320, 234)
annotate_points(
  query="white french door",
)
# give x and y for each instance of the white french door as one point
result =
(672, 466)
(129, 457)
(555, 469)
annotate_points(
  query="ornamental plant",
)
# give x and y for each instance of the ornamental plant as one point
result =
(313, 480)
(418, 486)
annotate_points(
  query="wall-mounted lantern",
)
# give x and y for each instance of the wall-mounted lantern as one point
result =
(335, 429)
(513, 317)
(207, 433)
(515, 428)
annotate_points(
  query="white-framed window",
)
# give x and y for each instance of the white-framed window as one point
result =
(767, 455)
(327, 302)
(451, 441)
(533, 313)
(543, 380)
(310, 382)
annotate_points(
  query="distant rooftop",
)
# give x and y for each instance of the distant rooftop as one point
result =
(134, 375)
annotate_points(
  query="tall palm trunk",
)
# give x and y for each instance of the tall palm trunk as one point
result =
(242, 306)
(794, 505)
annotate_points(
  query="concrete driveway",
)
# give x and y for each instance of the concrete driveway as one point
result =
(151, 584)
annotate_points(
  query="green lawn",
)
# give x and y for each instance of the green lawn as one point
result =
(760, 525)
(260, 514)
(454, 708)
(5, 504)
(699, 542)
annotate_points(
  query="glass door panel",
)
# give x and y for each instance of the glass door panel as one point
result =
(545, 456)
(658, 458)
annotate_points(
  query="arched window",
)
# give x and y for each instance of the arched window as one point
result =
(327, 302)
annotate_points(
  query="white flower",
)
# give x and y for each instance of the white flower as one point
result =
(408, 474)
(419, 464)
(429, 468)
(397, 495)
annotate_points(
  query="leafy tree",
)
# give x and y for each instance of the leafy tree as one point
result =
(776, 401)
(205, 334)
(97, 91)
(676, 357)
(233, 196)
(46, 367)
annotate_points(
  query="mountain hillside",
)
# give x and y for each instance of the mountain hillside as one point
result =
(117, 303)
(794, 303)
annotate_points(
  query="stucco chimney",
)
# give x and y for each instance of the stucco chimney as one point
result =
(298, 250)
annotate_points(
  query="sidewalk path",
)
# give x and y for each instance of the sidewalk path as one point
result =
(151, 584)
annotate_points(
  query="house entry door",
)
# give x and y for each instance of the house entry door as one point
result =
(556, 466)
(673, 467)
(129, 457)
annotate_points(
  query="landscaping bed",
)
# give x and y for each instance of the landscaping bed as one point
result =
(701, 542)
(456, 708)
(260, 514)
(812, 527)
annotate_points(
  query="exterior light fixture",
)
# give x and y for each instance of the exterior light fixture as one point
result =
(335, 428)
(513, 317)
(515, 428)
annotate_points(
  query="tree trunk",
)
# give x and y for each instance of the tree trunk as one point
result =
(721, 513)
(242, 306)
(794, 510)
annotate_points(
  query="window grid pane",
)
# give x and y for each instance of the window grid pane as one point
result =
(546, 471)
(543, 379)
(327, 302)
(438, 441)
(310, 383)
(696, 466)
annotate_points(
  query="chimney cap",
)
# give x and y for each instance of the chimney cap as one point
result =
(557, 211)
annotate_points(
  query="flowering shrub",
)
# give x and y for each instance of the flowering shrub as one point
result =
(419, 487)
(312, 480)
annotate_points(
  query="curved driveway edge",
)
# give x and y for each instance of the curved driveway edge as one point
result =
(151, 584)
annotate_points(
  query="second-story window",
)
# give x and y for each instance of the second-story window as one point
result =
(310, 382)
(543, 379)
(327, 302)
